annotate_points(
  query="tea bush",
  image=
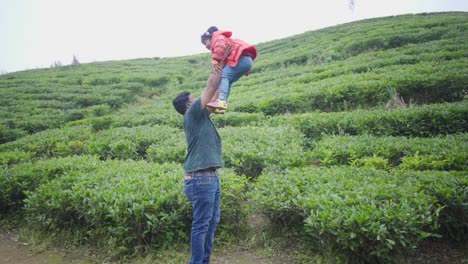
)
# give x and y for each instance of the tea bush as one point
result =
(156, 143)
(20, 178)
(367, 214)
(127, 206)
(439, 153)
(421, 121)
(52, 143)
(313, 98)
(14, 157)
(249, 150)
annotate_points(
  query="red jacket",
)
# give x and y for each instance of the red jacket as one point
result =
(239, 47)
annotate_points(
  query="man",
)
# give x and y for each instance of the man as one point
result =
(203, 159)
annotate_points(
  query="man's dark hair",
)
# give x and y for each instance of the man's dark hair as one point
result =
(180, 102)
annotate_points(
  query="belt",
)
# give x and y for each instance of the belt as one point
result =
(189, 175)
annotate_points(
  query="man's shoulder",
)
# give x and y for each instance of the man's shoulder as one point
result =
(195, 108)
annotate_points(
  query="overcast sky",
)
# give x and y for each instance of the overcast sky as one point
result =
(36, 33)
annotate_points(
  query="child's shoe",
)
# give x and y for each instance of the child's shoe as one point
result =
(219, 111)
(219, 104)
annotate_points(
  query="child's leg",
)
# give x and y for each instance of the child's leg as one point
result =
(232, 74)
(225, 83)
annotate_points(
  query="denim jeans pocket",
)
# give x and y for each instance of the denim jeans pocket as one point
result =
(205, 180)
(188, 190)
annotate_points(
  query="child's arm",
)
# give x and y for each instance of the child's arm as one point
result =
(219, 50)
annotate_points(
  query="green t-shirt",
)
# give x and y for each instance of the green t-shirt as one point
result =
(203, 140)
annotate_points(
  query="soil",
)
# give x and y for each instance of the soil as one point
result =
(14, 251)
(440, 252)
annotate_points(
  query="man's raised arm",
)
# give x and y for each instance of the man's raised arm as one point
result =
(214, 80)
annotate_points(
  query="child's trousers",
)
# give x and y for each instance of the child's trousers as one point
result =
(232, 74)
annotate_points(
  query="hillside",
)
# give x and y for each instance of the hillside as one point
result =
(352, 139)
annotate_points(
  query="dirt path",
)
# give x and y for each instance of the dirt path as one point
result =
(13, 251)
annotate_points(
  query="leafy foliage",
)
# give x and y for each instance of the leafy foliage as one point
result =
(249, 150)
(353, 137)
(423, 121)
(441, 153)
(365, 213)
(126, 206)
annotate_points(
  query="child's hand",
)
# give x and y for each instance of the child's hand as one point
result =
(218, 67)
(226, 52)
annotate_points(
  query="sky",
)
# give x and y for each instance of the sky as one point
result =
(36, 33)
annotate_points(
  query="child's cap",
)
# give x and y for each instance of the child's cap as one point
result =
(208, 34)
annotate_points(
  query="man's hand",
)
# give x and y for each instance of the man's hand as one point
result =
(217, 67)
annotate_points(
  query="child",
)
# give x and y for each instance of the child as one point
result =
(238, 63)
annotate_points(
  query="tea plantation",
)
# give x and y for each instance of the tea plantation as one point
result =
(352, 138)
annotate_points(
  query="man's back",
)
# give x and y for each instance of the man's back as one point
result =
(203, 141)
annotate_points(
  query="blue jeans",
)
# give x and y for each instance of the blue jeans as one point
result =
(204, 193)
(232, 74)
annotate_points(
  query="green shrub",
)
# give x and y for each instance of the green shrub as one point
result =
(125, 206)
(98, 110)
(74, 115)
(450, 189)
(134, 88)
(101, 123)
(437, 161)
(372, 162)
(9, 135)
(438, 153)
(127, 197)
(149, 113)
(249, 150)
(52, 143)
(366, 214)
(20, 178)
(422, 121)
(14, 157)
(155, 143)
(236, 119)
